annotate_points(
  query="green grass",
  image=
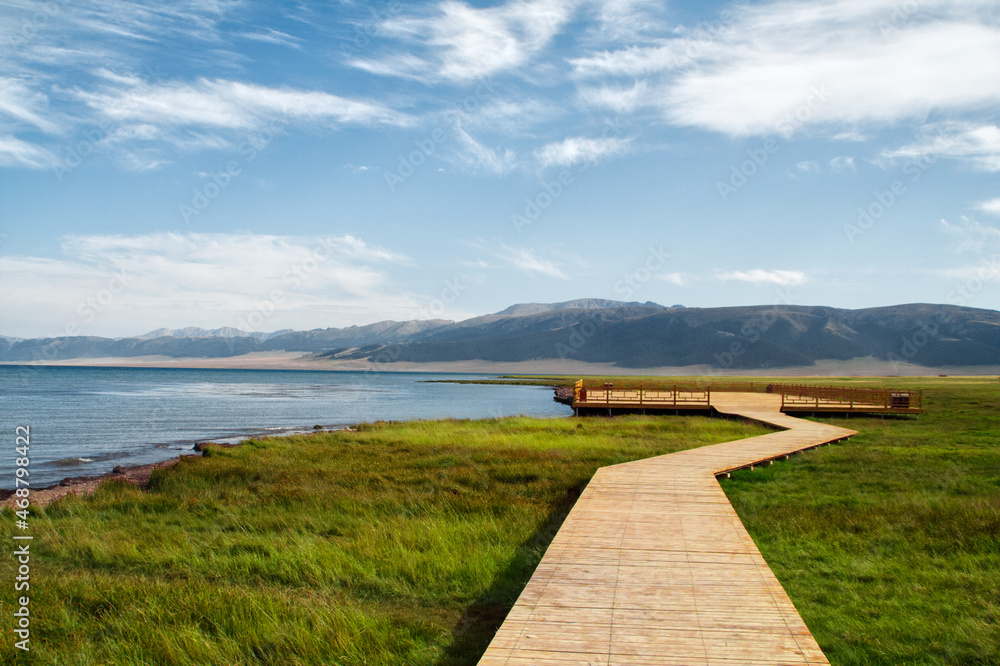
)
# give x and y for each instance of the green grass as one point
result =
(404, 543)
(889, 544)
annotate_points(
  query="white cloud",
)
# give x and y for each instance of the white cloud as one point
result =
(962, 140)
(971, 235)
(627, 20)
(617, 98)
(507, 116)
(579, 149)
(228, 104)
(992, 206)
(20, 104)
(679, 279)
(843, 163)
(852, 135)
(527, 261)
(760, 276)
(467, 42)
(14, 152)
(759, 74)
(210, 280)
(271, 36)
(475, 156)
(807, 166)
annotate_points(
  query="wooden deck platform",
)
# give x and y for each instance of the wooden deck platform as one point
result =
(610, 397)
(653, 566)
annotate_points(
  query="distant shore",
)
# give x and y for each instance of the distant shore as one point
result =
(858, 367)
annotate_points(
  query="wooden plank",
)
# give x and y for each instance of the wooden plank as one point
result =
(653, 566)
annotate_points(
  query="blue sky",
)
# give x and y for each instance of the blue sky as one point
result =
(304, 165)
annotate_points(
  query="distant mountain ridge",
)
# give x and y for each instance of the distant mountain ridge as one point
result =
(580, 303)
(196, 332)
(628, 335)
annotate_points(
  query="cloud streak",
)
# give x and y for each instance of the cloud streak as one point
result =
(462, 43)
(749, 76)
(207, 280)
(761, 276)
(227, 104)
(580, 149)
(526, 260)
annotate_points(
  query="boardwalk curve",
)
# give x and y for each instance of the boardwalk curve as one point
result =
(653, 566)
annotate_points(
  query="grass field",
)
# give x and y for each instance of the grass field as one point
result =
(406, 543)
(889, 544)
(403, 543)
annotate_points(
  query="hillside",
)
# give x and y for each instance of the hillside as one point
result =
(628, 335)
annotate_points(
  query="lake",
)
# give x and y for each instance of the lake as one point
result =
(85, 421)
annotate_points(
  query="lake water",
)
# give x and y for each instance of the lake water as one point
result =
(85, 421)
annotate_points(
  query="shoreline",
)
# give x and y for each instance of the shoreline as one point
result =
(137, 475)
(857, 367)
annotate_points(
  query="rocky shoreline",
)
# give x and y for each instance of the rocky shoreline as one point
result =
(564, 395)
(85, 485)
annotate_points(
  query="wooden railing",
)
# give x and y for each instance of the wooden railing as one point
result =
(802, 397)
(654, 394)
(641, 395)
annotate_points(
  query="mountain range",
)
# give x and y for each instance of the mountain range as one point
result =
(628, 335)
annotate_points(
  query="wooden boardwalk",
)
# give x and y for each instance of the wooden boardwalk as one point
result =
(653, 566)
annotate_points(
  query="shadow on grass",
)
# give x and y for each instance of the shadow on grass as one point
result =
(479, 623)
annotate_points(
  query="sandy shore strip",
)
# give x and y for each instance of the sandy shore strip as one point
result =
(857, 367)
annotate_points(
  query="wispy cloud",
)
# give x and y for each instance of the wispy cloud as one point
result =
(209, 280)
(761, 276)
(14, 152)
(463, 42)
(762, 69)
(842, 163)
(526, 260)
(678, 279)
(971, 235)
(272, 36)
(618, 98)
(21, 105)
(992, 206)
(579, 149)
(978, 143)
(228, 104)
(474, 156)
